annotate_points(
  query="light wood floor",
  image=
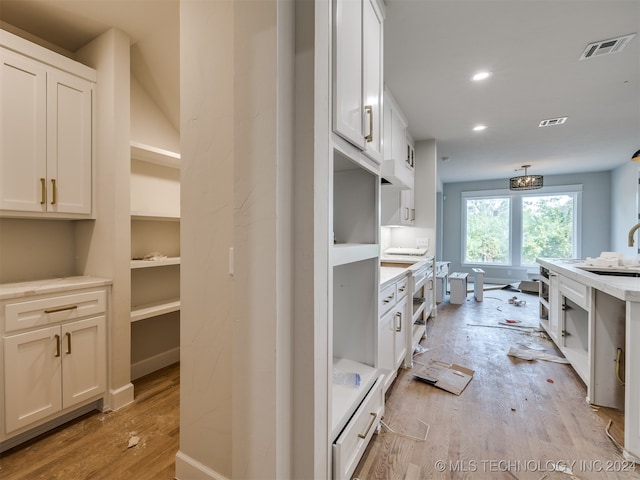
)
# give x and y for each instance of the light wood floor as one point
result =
(509, 412)
(531, 412)
(96, 445)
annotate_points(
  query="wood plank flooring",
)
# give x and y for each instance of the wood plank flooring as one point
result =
(96, 446)
(516, 418)
(510, 412)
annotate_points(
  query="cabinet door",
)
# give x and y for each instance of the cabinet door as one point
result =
(372, 78)
(400, 324)
(32, 373)
(83, 360)
(69, 143)
(347, 71)
(407, 207)
(23, 117)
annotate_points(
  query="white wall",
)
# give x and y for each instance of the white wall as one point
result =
(207, 295)
(624, 208)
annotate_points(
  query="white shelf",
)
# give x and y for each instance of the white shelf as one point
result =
(421, 304)
(579, 360)
(343, 253)
(419, 329)
(346, 399)
(153, 310)
(154, 216)
(155, 263)
(150, 154)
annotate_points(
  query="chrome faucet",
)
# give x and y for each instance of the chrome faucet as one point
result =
(631, 232)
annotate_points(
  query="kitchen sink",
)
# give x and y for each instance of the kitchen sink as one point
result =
(612, 271)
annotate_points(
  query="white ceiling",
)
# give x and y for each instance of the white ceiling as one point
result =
(432, 47)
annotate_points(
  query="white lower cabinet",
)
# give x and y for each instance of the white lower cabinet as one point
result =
(394, 321)
(352, 442)
(56, 365)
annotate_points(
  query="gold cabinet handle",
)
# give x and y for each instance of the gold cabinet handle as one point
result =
(43, 191)
(54, 192)
(369, 110)
(61, 309)
(57, 337)
(398, 316)
(68, 335)
(371, 422)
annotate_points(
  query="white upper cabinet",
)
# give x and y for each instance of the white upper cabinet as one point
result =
(397, 169)
(45, 136)
(358, 74)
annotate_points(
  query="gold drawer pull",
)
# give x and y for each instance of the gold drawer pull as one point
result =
(61, 309)
(54, 192)
(371, 422)
(68, 343)
(43, 191)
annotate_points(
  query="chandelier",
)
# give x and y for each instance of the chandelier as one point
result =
(525, 182)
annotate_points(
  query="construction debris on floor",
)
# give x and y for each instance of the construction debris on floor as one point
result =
(446, 376)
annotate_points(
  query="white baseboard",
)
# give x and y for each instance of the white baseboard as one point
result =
(120, 397)
(151, 364)
(189, 469)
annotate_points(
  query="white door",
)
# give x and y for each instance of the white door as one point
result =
(347, 71)
(69, 143)
(372, 60)
(23, 127)
(32, 374)
(83, 360)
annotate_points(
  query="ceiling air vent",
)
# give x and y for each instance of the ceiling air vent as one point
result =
(553, 121)
(605, 47)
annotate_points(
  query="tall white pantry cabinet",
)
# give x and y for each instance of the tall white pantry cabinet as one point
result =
(46, 136)
(357, 83)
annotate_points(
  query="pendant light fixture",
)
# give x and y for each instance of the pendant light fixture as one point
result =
(636, 157)
(525, 182)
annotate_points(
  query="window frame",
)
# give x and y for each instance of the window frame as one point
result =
(516, 221)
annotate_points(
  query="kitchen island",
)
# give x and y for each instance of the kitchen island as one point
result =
(593, 316)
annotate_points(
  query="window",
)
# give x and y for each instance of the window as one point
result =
(504, 228)
(547, 227)
(487, 233)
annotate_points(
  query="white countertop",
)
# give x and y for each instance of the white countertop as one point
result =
(393, 273)
(49, 285)
(624, 288)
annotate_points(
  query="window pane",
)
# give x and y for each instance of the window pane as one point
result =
(487, 230)
(547, 227)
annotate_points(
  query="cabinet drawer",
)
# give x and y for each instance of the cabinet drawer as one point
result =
(387, 299)
(402, 286)
(19, 315)
(575, 291)
(350, 445)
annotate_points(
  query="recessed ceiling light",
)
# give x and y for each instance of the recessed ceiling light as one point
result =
(479, 128)
(481, 76)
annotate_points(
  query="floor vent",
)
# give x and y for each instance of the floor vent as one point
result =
(553, 121)
(605, 47)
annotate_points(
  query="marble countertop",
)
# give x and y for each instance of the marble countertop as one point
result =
(624, 288)
(49, 285)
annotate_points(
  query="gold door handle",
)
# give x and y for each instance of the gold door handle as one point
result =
(43, 191)
(68, 334)
(57, 337)
(54, 192)
(61, 309)
(371, 422)
(369, 110)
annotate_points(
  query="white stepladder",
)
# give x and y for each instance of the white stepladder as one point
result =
(478, 284)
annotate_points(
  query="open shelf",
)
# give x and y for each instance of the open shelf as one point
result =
(150, 154)
(346, 399)
(579, 359)
(158, 217)
(143, 312)
(419, 305)
(344, 253)
(155, 263)
(419, 330)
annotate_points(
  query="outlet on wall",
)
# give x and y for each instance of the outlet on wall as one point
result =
(422, 242)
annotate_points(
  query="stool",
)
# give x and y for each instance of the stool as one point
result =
(478, 283)
(458, 282)
(441, 286)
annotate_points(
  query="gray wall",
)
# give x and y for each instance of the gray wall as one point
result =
(596, 213)
(624, 207)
